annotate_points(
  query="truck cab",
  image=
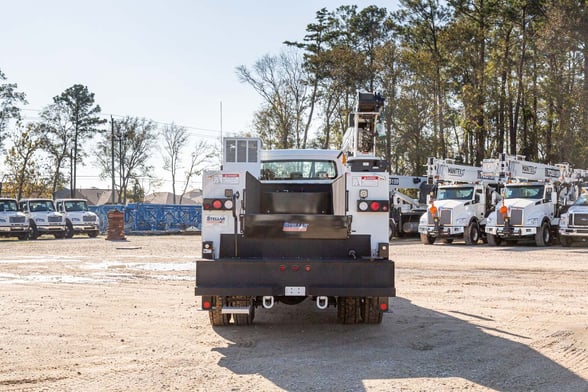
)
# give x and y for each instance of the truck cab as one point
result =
(78, 218)
(43, 217)
(13, 223)
(573, 225)
(528, 210)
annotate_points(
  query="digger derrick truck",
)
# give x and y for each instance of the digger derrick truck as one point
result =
(405, 211)
(573, 224)
(290, 225)
(462, 200)
(534, 196)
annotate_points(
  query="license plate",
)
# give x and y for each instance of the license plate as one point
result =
(295, 290)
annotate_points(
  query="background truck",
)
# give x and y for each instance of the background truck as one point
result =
(43, 217)
(462, 200)
(534, 197)
(291, 225)
(573, 224)
(406, 210)
(78, 218)
(13, 223)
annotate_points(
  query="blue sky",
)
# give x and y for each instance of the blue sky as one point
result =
(169, 61)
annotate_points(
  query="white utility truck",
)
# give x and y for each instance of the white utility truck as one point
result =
(78, 218)
(573, 224)
(13, 223)
(534, 196)
(460, 203)
(284, 226)
(405, 210)
(43, 217)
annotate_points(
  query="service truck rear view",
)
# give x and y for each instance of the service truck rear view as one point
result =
(287, 226)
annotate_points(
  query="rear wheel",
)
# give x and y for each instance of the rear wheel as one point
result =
(217, 318)
(370, 310)
(427, 239)
(472, 233)
(543, 235)
(493, 240)
(241, 301)
(348, 310)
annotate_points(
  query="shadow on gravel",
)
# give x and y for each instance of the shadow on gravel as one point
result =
(300, 348)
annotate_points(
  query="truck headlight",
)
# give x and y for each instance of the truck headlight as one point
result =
(532, 222)
(461, 221)
(491, 219)
(563, 220)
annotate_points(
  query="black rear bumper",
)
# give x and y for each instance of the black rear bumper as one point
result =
(272, 277)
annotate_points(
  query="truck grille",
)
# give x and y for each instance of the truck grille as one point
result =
(54, 219)
(579, 220)
(17, 219)
(516, 217)
(89, 218)
(444, 219)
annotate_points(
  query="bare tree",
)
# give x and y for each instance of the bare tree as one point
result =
(174, 140)
(201, 154)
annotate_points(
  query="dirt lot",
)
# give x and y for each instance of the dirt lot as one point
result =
(89, 314)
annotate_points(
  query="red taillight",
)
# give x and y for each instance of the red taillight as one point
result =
(295, 268)
(282, 268)
(374, 206)
(383, 307)
(217, 204)
(307, 268)
(206, 305)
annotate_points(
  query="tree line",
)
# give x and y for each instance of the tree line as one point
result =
(463, 79)
(44, 155)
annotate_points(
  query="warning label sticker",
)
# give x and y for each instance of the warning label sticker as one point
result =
(366, 181)
(230, 178)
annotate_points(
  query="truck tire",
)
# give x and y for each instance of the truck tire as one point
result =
(23, 237)
(472, 233)
(33, 231)
(218, 319)
(427, 239)
(93, 234)
(493, 240)
(370, 310)
(393, 232)
(348, 309)
(565, 241)
(242, 319)
(69, 232)
(543, 235)
(60, 235)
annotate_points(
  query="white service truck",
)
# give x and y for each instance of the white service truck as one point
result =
(406, 210)
(78, 218)
(43, 217)
(460, 204)
(573, 224)
(533, 198)
(292, 225)
(13, 223)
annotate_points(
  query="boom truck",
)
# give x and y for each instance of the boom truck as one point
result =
(573, 224)
(405, 211)
(534, 197)
(462, 200)
(284, 226)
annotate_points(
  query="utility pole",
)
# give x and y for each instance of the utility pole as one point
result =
(112, 155)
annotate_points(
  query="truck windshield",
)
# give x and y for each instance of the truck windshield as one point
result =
(464, 193)
(582, 201)
(8, 206)
(74, 206)
(523, 192)
(41, 206)
(298, 170)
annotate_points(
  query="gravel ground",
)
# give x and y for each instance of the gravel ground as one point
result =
(94, 315)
